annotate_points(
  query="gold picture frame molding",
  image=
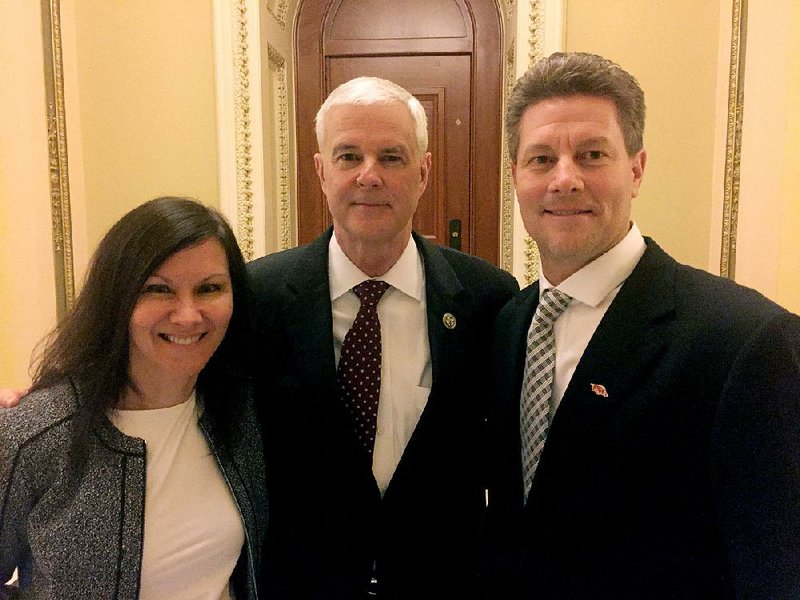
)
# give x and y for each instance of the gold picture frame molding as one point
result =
(733, 140)
(61, 216)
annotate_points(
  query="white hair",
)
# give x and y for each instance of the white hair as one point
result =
(365, 91)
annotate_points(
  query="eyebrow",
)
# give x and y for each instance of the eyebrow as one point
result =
(601, 140)
(352, 147)
(395, 150)
(343, 148)
(593, 141)
(168, 280)
(535, 148)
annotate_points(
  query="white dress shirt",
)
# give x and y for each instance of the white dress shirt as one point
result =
(405, 353)
(592, 289)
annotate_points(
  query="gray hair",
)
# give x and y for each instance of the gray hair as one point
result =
(365, 91)
(578, 73)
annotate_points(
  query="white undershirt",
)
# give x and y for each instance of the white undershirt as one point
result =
(405, 354)
(193, 533)
(592, 288)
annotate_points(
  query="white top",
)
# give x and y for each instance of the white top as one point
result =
(592, 288)
(405, 354)
(193, 533)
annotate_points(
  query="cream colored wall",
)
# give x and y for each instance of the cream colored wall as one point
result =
(27, 292)
(768, 251)
(671, 47)
(146, 101)
(788, 293)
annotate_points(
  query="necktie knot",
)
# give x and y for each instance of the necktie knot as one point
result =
(552, 304)
(370, 291)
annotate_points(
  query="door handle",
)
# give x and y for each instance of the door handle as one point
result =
(454, 234)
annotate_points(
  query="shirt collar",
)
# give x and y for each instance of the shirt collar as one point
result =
(594, 282)
(407, 274)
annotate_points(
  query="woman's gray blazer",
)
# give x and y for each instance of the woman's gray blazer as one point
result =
(79, 535)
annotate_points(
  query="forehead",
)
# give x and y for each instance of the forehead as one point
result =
(208, 255)
(384, 125)
(576, 115)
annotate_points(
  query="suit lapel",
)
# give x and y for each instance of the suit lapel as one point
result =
(443, 289)
(309, 322)
(631, 336)
(508, 366)
(511, 344)
(310, 331)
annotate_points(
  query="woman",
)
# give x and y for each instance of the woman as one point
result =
(134, 468)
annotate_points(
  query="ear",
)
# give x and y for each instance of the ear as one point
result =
(638, 162)
(320, 168)
(425, 171)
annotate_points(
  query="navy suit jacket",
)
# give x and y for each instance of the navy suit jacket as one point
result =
(685, 481)
(328, 523)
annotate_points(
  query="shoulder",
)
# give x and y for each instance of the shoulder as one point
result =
(38, 412)
(473, 272)
(275, 265)
(41, 423)
(277, 261)
(711, 302)
(723, 299)
(281, 264)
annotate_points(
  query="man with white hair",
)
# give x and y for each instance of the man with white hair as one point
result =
(375, 485)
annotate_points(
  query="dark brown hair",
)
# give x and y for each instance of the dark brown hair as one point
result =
(578, 73)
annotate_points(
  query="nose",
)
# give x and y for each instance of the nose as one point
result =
(566, 177)
(187, 312)
(369, 173)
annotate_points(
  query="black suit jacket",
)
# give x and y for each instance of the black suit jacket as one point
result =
(328, 522)
(685, 481)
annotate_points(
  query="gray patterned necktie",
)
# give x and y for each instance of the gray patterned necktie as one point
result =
(537, 383)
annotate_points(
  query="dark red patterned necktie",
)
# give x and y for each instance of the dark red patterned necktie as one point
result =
(359, 372)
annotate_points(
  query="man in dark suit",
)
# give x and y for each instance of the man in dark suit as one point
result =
(646, 444)
(397, 519)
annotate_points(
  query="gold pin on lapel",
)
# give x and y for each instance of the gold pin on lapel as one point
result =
(449, 320)
(600, 390)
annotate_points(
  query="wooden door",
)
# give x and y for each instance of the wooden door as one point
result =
(448, 54)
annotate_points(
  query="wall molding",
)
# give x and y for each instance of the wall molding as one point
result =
(57, 156)
(536, 29)
(507, 182)
(280, 118)
(239, 140)
(243, 126)
(279, 11)
(733, 140)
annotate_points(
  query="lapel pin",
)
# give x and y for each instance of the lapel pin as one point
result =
(600, 390)
(449, 320)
